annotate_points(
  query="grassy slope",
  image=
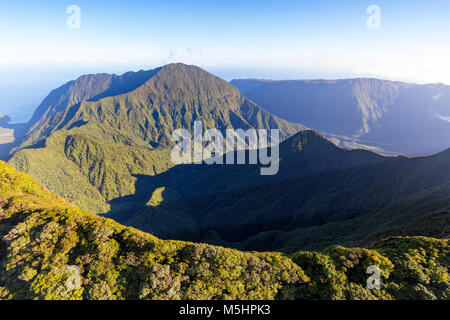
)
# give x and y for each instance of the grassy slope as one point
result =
(86, 171)
(41, 235)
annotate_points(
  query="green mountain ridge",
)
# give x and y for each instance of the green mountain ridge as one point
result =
(90, 137)
(43, 239)
(322, 195)
(172, 96)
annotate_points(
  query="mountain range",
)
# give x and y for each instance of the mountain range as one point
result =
(322, 195)
(103, 143)
(388, 117)
(100, 146)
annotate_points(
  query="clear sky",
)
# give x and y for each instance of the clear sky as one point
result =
(232, 38)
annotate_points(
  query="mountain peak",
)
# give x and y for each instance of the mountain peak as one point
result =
(192, 75)
(306, 140)
(178, 65)
(185, 68)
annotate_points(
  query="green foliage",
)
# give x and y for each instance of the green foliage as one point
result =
(41, 236)
(157, 197)
(410, 268)
(422, 267)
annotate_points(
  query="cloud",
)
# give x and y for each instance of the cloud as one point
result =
(443, 118)
(184, 54)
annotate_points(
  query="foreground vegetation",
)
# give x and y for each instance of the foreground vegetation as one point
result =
(42, 235)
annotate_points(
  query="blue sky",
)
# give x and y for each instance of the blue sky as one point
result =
(246, 38)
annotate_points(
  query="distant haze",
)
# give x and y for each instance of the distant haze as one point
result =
(271, 38)
(383, 116)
